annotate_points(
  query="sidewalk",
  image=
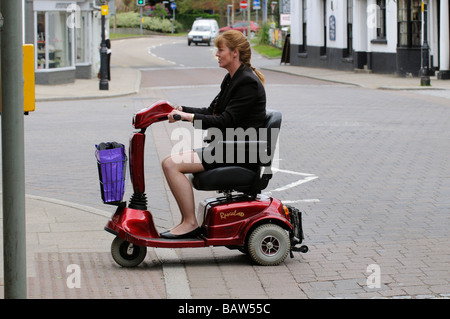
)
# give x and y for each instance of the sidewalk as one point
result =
(125, 81)
(61, 235)
(52, 245)
(364, 79)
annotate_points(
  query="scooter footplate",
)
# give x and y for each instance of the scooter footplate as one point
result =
(175, 243)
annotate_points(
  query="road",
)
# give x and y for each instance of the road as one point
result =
(369, 168)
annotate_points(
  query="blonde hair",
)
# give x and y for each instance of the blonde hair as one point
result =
(235, 40)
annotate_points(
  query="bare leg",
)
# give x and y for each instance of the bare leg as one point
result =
(174, 168)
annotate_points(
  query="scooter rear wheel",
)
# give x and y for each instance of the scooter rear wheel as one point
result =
(269, 245)
(126, 254)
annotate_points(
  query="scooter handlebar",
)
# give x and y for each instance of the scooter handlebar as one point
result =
(157, 112)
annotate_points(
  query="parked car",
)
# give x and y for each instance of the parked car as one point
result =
(242, 26)
(203, 31)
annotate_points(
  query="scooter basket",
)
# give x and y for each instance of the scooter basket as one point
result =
(111, 163)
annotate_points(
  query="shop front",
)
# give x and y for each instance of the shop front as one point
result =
(62, 33)
(380, 36)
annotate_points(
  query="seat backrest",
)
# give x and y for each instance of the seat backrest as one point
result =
(227, 179)
(272, 126)
(270, 134)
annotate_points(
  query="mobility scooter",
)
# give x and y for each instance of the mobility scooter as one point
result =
(240, 218)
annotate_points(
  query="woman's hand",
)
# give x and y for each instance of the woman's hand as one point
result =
(183, 116)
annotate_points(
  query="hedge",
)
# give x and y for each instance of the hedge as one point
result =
(133, 20)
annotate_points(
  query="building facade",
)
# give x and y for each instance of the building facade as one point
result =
(66, 36)
(383, 36)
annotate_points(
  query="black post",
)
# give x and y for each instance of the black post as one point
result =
(425, 71)
(104, 84)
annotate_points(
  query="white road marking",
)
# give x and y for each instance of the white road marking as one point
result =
(307, 177)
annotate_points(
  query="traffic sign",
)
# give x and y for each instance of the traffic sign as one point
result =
(273, 5)
(243, 5)
(105, 10)
(173, 5)
(256, 4)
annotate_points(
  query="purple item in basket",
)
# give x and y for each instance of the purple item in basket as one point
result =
(111, 160)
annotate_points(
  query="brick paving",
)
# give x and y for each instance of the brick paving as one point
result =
(382, 194)
(100, 278)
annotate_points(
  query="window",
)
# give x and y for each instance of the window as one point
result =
(302, 48)
(82, 38)
(323, 49)
(381, 19)
(349, 50)
(40, 40)
(409, 23)
(239, 25)
(54, 40)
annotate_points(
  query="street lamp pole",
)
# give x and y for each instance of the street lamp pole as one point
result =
(104, 84)
(425, 50)
(173, 6)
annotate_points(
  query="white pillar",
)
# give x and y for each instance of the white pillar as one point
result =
(444, 43)
(360, 25)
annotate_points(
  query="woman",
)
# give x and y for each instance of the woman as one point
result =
(241, 103)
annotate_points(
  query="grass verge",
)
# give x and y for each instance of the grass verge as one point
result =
(268, 50)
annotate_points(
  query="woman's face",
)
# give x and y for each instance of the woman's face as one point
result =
(225, 56)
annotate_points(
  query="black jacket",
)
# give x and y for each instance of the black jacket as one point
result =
(241, 102)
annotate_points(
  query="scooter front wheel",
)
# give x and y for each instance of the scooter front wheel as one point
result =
(126, 254)
(269, 245)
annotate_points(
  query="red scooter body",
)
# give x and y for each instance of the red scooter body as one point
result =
(225, 221)
(157, 112)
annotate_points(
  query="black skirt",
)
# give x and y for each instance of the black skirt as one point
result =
(213, 156)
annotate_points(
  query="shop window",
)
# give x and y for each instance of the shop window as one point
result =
(409, 23)
(54, 40)
(82, 39)
(40, 39)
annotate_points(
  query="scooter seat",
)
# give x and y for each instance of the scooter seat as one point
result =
(225, 178)
(240, 179)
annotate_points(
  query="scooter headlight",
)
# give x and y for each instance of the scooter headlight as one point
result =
(286, 212)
